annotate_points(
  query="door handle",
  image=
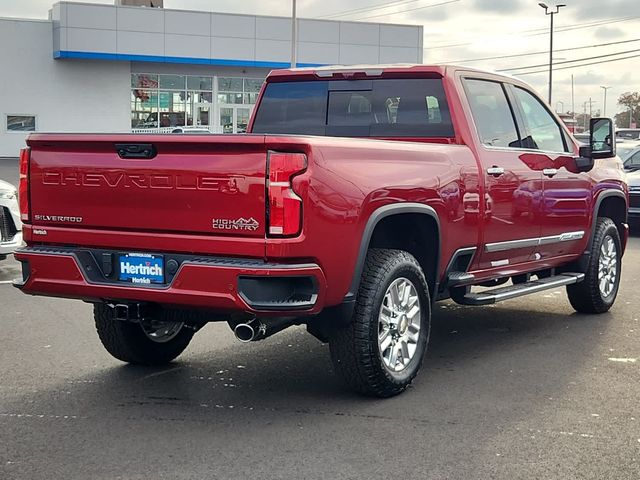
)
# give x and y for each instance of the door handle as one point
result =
(495, 171)
(550, 172)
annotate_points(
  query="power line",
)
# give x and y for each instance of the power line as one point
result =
(581, 26)
(569, 61)
(364, 9)
(544, 31)
(540, 52)
(409, 10)
(577, 66)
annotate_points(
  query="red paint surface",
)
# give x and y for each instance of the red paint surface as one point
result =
(157, 205)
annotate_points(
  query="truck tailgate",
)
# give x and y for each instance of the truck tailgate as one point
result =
(198, 184)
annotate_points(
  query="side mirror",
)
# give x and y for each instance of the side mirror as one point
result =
(602, 138)
(584, 161)
(602, 144)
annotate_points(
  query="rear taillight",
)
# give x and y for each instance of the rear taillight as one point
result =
(285, 206)
(23, 185)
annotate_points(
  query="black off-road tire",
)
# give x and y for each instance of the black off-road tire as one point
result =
(586, 297)
(127, 341)
(354, 349)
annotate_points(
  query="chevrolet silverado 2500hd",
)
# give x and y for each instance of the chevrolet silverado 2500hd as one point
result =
(358, 198)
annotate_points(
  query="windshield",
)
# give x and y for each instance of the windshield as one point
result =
(356, 108)
(623, 151)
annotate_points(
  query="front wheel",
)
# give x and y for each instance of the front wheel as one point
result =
(151, 342)
(598, 291)
(381, 351)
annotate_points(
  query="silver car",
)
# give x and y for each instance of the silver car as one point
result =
(10, 224)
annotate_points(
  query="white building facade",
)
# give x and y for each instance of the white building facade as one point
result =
(116, 69)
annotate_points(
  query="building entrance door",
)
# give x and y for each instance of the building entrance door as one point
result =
(234, 118)
(202, 115)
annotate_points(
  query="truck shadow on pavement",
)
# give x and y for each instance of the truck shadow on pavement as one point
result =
(475, 353)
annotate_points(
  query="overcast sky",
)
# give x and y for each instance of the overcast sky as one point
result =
(465, 30)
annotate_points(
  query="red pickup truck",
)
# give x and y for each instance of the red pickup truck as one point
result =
(359, 197)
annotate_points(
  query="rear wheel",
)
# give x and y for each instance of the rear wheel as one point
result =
(381, 351)
(598, 291)
(150, 342)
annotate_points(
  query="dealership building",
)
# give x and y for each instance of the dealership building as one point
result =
(120, 68)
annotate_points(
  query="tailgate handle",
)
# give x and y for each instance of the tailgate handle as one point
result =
(136, 150)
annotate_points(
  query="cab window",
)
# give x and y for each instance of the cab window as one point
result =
(541, 131)
(492, 114)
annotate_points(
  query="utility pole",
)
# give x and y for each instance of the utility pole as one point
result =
(604, 109)
(552, 13)
(573, 103)
(294, 35)
(584, 107)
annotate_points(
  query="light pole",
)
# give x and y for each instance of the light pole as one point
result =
(547, 11)
(604, 108)
(294, 34)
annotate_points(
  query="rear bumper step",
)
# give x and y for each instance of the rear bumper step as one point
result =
(495, 295)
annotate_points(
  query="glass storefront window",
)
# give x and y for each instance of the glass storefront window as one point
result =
(172, 109)
(226, 120)
(250, 98)
(160, 102)
(200, 97)
(173, 82)
(232, 98)
(200, 83)
(226, 84)
(252, 85)
(242, 119)
(144, 80)
(144, 109)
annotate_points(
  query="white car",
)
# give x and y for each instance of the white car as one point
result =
(629, 153)
(201, 130)
(10, 224)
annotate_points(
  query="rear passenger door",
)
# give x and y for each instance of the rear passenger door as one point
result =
(512, 187)
(567, 195)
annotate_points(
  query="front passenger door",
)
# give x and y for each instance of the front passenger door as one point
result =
(566, 195)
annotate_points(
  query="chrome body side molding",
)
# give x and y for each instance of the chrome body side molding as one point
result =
(533, 242)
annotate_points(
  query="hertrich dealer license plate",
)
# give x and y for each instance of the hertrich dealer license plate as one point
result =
(142, 268)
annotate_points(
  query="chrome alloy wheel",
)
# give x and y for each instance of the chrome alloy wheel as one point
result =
(607, 266)
(161, 331)
(399, 324)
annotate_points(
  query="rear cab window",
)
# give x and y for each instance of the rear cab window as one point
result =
(356, 108)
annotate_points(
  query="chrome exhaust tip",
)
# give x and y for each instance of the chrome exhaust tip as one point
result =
(245, 332)
(255, 329)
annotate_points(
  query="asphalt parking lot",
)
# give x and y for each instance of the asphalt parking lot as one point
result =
(526, 389)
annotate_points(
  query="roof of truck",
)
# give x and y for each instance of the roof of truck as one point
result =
(350, 71)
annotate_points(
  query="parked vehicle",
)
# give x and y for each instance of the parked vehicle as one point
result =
(628, 133)
(10, 225)
(358, 198)
(633, 179)
(630, 155)
(582, 138)
(192, 130)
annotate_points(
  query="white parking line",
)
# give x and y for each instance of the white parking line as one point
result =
(3, 282)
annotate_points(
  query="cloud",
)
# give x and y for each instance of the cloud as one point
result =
(499, 6)
(598, 10)
(607, 33)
